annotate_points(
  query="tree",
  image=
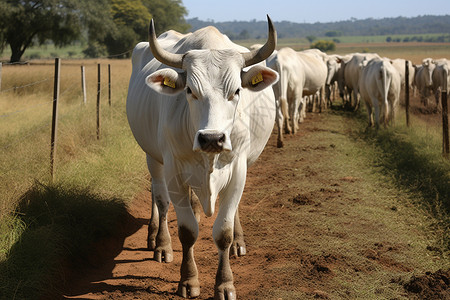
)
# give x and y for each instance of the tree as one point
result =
(168, 14)
(131, 19)
(26, 22)
(310, 38)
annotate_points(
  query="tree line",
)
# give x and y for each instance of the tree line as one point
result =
(365, 27)
(109, 27)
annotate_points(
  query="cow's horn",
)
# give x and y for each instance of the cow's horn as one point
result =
(265, 51)
(170, 59)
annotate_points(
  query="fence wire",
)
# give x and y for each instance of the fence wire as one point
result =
(26, 85)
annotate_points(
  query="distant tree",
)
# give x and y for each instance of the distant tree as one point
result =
(168, 14)
(324, 46)
(333, 33)
(27, 22)
(310, 38)
(388, 39)
(243, 35)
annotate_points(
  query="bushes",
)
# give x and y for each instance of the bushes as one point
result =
(324, 46)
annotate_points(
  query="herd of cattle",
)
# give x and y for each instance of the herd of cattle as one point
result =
(203, 108)
(377, 80)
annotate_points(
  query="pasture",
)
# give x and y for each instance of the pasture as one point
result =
(339, 212)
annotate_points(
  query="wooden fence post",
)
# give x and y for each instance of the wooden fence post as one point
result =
(407, 91)
(0, 77)
(109, 84)
(445, 137)
(83, 83)
(98, 102)
(54, 118)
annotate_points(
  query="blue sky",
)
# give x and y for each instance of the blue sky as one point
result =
(311, 11)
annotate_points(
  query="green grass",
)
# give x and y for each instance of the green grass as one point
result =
(411, 159)
(48, 51)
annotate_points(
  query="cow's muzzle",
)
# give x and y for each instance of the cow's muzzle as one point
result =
(211, 142)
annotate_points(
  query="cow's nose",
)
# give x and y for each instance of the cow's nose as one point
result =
(211, 142)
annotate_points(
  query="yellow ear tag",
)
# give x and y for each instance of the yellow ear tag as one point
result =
(169, 82)
(257, 79)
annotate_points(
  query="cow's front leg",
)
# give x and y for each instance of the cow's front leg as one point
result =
(158, 232)
(189, 285)
(223, 232)
(238, 246)
(223, 237)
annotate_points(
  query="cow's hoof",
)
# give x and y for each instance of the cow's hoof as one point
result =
(238, 249)
(189, 288)
(163, 254)
(225, 291)
(280, 144)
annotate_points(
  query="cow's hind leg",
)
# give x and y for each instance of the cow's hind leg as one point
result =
(280, 119)
(158, 233)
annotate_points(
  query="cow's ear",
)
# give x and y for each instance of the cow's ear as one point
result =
(258, 78)
(166, 81)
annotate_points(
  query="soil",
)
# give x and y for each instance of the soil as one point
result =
(122, 268)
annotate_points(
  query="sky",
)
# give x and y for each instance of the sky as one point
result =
(311, 11)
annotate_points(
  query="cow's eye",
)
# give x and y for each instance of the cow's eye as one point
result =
(189, 92)
(236, 95)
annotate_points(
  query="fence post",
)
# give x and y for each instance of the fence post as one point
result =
(407, 91)
(83, 83)
(109, 84)
(445, 137)
(0, 77)
(54, 118)
(98, 101)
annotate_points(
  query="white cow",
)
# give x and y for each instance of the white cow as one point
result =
(400, 65)
(199, 108)
(423, 79)
(441, 79)
(333, 63)
(352, 73)
(343, 93)
(301, 74)
(379, 86)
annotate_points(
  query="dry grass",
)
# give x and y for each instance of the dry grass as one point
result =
(26, 112)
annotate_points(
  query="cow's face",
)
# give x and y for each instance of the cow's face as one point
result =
(428, 67)
(213, 81)
(332, 69)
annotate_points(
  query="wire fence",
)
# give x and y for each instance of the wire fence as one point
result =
(26, 133)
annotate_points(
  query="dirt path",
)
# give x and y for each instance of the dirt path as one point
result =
(317, 224)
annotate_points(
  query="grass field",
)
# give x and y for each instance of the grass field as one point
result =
(106, 172)
(346, 44)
